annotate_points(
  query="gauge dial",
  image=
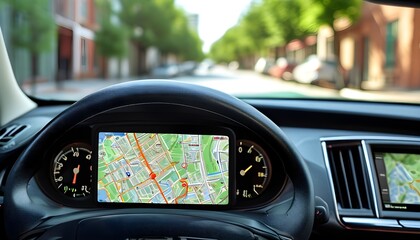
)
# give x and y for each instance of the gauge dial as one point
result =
(252, 172)
(72, 170)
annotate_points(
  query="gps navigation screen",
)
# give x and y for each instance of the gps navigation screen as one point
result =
(399, 179)
(163, 168)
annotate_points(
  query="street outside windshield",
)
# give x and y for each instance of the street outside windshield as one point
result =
(341, 49)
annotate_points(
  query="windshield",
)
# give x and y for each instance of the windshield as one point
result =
(341, 49)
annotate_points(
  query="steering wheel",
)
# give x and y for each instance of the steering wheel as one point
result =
(30, 214)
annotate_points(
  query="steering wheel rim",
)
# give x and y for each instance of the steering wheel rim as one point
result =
(23, 213)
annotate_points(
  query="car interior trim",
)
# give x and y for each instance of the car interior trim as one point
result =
(365, 222)
(410, 223)
(371, 181)
(372, 222)
(330, 179)
(367, 138)
(13, 101)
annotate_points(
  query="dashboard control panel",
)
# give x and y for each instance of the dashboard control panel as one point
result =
(129, 165)
(375, 181)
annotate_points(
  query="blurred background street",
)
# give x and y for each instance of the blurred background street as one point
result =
(240, 83)
(87, 45)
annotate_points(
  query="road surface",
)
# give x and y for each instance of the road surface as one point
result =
(241, 83)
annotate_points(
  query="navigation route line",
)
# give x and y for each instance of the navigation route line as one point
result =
(152, 174)
(185, 185)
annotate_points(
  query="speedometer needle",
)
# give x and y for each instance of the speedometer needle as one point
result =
(75, 171)
(242, 172)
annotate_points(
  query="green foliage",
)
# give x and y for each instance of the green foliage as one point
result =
(34, 27)
(161, 24)
(282, 19)
(233, 44)
(112, 37)
(271, 23)
(150, 21)
(323, 12)
(252, 30)
(112, 40)
(223, 50)
(184, 41)
(247, 37)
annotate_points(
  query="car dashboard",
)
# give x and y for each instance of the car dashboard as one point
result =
(147, 135)
(356, 153)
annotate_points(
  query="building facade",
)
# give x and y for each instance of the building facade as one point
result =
(76, 24)
(381, 50)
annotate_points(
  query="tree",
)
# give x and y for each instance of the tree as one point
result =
(282, 19)
(316, 13)
(147, 24)
(248, 37)
(153, 18)
(253, 30)
(112, 38)
(272, 23)
(195, 50)
(184, 41)
(224, 50)
(34, 29)
(160, 24)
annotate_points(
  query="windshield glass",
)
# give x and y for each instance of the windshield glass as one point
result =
(341, 49)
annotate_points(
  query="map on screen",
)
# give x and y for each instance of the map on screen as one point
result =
(163, 168)
(403, 177)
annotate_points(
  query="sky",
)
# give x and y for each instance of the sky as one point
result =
(214, 17)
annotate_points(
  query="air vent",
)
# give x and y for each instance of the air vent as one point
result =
(349, 175)
(10, 132)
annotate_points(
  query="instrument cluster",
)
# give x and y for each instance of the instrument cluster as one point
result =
(73, 167)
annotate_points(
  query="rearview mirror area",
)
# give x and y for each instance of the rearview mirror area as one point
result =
(402, 3)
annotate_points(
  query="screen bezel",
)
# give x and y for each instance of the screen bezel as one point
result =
(180, 129)
(401, 147)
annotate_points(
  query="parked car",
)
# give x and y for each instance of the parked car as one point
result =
(165, 71)
(263, 65)
(187, 68)
(205, 66)
(319, 72)
(282, 69)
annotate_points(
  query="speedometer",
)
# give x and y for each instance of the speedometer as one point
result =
(72, 170)
(253, 173)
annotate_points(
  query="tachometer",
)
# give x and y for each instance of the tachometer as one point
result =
(253, 173)
(72, 170)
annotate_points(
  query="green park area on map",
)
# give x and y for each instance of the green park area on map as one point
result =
(163, 168)
(403, 176)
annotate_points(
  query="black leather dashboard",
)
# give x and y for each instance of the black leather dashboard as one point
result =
(306, 123)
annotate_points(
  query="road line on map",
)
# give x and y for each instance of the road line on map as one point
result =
(185, 185)
(148, 166)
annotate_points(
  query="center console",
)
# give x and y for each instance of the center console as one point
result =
(375, 181)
